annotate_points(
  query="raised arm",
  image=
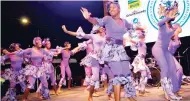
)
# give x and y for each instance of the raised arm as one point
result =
(68, 32)
(87, 16)
(84, 44)
(79, 33)
(169, 16)
(163, 21)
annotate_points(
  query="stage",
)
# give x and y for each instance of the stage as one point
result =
(78, 94)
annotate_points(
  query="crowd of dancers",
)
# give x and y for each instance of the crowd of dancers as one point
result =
(105, 55)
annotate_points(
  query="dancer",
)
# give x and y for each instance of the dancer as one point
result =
(48, 65)
(89, 49)
(66, 53)
(88, 70)
(163, 57)
(139, 61)
(36, 69)
(173, 46)
(13, 74)
(113, 52)
(92, 59)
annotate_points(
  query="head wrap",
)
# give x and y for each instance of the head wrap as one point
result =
(36, 38)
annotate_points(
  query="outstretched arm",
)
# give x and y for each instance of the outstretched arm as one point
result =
(169, 16)
(68, 32)
(79, 34)
(75, 50)
(87, 16)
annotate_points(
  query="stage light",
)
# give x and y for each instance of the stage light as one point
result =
(24, 20)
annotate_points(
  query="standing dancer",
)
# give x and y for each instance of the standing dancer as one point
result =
(88, 70)
(139, 61)
(173, 46)
(163, 57)
(13, 74)
(66, 53)
(113, 53)
(92, 59)
(89, 49)
(48, 65)
(36, 69)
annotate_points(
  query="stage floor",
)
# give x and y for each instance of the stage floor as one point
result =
(78, 94)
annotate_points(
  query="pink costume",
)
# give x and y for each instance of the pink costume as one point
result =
(65, 66)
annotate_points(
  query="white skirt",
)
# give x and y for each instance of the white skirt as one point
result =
(140, 65)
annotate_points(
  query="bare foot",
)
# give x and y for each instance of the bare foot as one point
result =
(56, 93)
(90, 99)
(95, 94)
(58, 90)
(23, 99)
(177, 94)
(122, 95)
(38, 95)
(142, 93)
(110, 97)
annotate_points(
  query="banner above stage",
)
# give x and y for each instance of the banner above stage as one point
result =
(146, 13)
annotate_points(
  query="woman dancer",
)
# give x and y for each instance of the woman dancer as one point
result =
(13, 74)
(88, 70)
(89, 49)
(48, 65)
(66, 53)
(92, 59)
(139, 62)
(173, 46)
(164, 57)
(36, 69)
(113, 52)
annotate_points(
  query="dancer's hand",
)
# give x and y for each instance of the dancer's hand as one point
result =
(172, 13)
(85, 13)
(64, 28)
(6, 52)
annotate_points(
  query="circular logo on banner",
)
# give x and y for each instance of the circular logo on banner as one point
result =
(153, 9)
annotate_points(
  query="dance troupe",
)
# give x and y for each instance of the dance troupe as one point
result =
(105, 56)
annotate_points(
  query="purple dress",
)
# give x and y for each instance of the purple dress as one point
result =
(173, 46)
(36, 69)
(140, 65)
(93, 58)
(115, 56)
(163, 56)
(14, 75)
(88, 70)
(47, 62)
